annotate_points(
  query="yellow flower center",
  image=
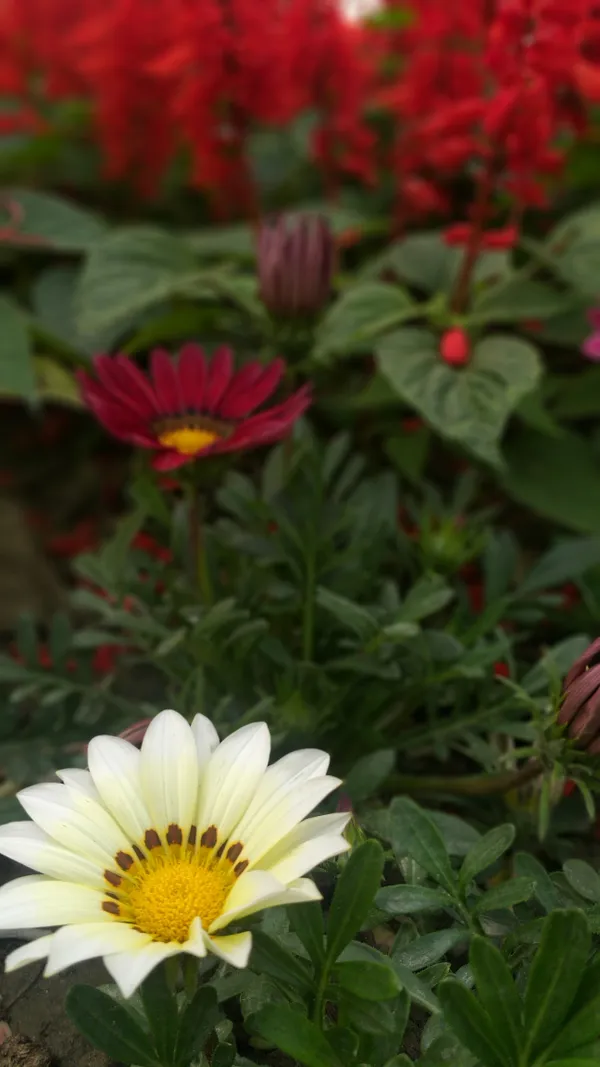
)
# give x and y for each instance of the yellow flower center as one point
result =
(166, 898)
(188, 440)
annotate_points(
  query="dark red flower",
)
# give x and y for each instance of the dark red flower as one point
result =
(296, 256)
(105, 658)
(476, 597)
(148, 544)
(580, 710)
(84, 537)
(455, 347)
(501, 669)
(569, 787)
(191, 408)
(461, 232)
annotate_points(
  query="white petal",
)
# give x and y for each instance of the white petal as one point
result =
(307, 856)
(86, 941)
(130, 968)
(37, 901)
(29, 953)
(281, 778)
(25, 843)
(233, 948)
(115, 768)
(79, 781)
(259, 889)
(169, 771)
(195, 943)
(206, 738)
(231, 777)
(281, 812)
(305, 831)
(75, 821)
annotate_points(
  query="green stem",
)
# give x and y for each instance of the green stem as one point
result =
(477, 785)
(319, 1004)
(308, 617)
(198, 554)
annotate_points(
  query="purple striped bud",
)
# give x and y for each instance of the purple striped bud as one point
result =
(580, 709)
(296, 259)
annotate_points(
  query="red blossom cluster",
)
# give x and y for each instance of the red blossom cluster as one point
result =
(489, 88)
(189, 77)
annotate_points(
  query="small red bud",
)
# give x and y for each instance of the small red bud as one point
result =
(455, 347)
(501, 669)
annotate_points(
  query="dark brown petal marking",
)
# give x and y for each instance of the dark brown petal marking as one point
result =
(221, 850)
(113, 878)
(209, 837)
(240, 868)
(192, 835)
(151, 839)
(138, 852)
(113, 896)
(234, 851)
(174, 834)
(124, 860)
(111, 907)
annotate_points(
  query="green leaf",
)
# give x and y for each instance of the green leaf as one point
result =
(362, 313)
(516, 298)
(370, 981)
(582, 1029)
(109, 1026)
(470, 1022)
(458, 836)
(498, 995)
(414, 834)
(197, 1023)
(486, 852)
(426, 261)
(55, 383)
(270, 957)
(554, 977)
(306, 920)
(558, 478)
(429, 594)
(409, 452)
(555, 662)
(223, 242)
(429, 948)
(505, 895)
(411, 899)
(353, 896)
(294, 1034)
(471, 404)
(577, 396)
(130, 270)
(160, 1007)
(583, 879)
(351, 616)
(367, 1017)
(17, 371)
(563, 563)
(369, 774)
(51, 223)
(416, 989)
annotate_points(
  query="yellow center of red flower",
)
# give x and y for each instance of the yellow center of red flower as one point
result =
(188, 440)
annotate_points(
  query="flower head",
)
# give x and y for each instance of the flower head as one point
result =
(580, 710)
(295, 263)
(155, 852)
(190, 408)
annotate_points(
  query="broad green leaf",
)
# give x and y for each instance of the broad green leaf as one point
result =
(426, 261)
(486, 852)
(430, 948)
(498, 995)
(353, 896)
(17, 371)
(109, 1026)
(580, 1030)
(505, 895)
(294, 1034)
(515, 298)
(583, 879)
(53, 296)
(429, 594)
(563, 563)
(160, 1008)
(50, 223)
(270, 957)
(554, 977)
(362, 313)
(414, 834)
(130, 270)
(366, 776)
(306, 920)
(411, 899)
(470, 1022)
(370, 981)
(196, 1024)
(471, 404)
(55, 383)
(221, 242)
(558, 478)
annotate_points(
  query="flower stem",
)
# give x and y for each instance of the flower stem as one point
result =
(477, 785)
(460, 297)
(198, 554)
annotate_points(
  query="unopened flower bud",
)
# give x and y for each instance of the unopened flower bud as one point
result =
(580, 710)
(296, 256)
(454, 347)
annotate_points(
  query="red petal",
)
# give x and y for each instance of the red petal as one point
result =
(250, 388)
(168, 461)
(118, 385)
(137, 379)
(192, 372)
(220, 373)
(166, 384)
(269, 425)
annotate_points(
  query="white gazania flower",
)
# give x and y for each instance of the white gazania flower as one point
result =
(154, 852)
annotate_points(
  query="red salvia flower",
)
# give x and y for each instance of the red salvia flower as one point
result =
(455, 347)
(190, 408)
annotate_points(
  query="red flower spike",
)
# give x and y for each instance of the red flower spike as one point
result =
(455, 348)
(148, 544)
(191, 408)
(569, 787)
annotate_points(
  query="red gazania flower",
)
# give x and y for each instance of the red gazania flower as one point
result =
(191, 408)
